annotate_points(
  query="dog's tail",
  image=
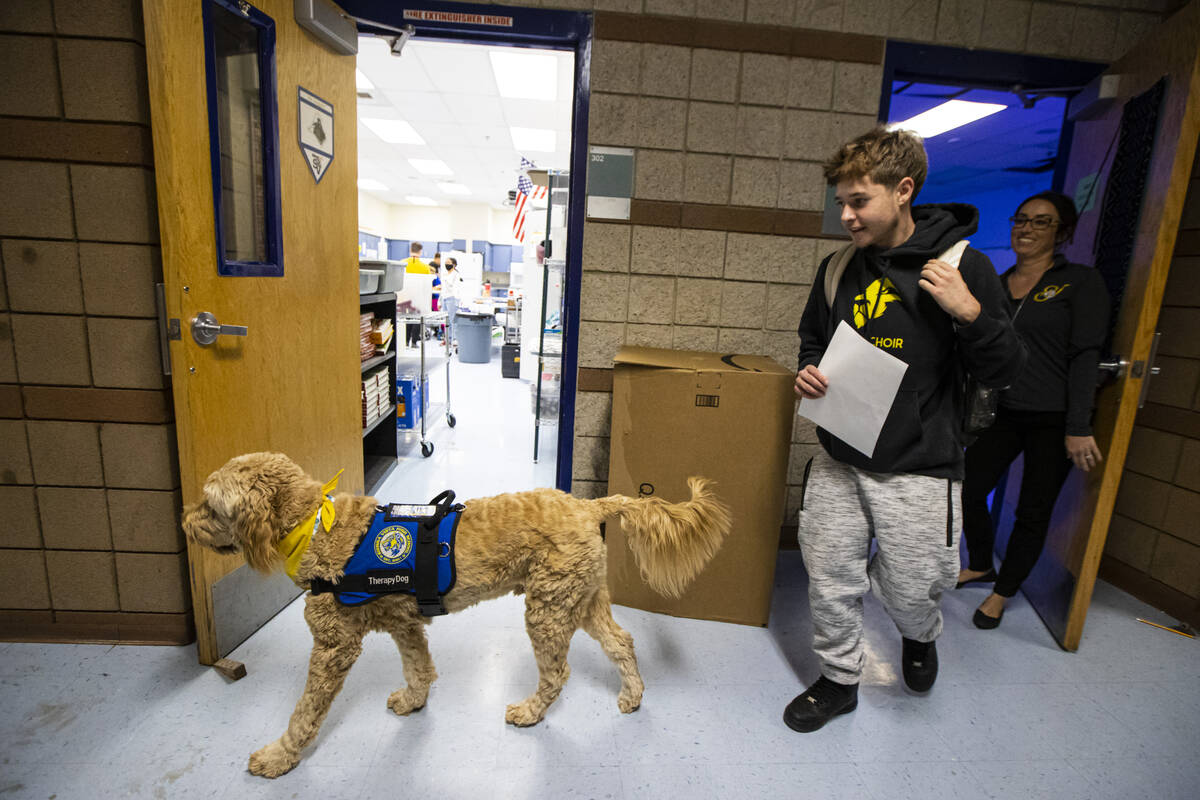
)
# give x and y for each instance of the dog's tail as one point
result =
(671, 542)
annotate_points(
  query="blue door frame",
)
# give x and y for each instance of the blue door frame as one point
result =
(519, 27)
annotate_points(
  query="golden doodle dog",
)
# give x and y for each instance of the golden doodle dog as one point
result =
(545, 544)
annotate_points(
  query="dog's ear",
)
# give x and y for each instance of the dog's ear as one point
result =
(254, 520)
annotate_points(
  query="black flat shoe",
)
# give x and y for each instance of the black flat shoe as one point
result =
(987, 577)
(920, 664)
(820, 703)
(984, 622)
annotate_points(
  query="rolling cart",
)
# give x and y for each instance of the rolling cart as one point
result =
(437, 317)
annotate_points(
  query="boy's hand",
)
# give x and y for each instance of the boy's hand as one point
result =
(810, 383)
(945, 284)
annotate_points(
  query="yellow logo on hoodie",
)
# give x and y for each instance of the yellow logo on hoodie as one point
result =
(874, 301)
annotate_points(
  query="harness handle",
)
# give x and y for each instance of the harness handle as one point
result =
(429, 602)
(444, 503)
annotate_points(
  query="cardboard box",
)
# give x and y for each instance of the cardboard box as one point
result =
(725, 417)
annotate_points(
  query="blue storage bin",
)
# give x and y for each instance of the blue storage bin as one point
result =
(411, 402)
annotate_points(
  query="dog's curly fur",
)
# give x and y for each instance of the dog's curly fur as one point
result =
(545, 544)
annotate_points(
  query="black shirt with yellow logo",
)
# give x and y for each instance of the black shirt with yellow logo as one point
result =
(879, 296)
(1063, 321)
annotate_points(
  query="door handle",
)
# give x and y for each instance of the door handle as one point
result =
(1140, 369)
(1116, 368)
(206, 329)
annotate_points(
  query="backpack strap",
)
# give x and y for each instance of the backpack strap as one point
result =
(834, 269)
(841, 259)
(954, 253)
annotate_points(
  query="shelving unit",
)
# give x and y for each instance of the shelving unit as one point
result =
(379, 438)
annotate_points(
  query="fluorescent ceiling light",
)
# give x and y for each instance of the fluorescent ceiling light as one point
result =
(539, 140)
(946, 117)
(393, 131)
(454, 188)
(525, 76)
(430, 166)
(361, 83)
(420, 200)
(371, 185)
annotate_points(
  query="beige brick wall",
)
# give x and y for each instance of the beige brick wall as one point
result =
(1155, 533)
(88, 467)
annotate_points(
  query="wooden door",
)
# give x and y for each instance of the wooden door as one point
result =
(291, 385)
(1060, 587)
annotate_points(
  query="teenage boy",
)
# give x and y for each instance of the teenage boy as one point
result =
(939, 320)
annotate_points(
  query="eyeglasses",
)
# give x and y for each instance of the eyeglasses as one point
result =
(1040, 223)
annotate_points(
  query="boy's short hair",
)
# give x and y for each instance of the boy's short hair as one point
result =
(415, 247)
(886, 157)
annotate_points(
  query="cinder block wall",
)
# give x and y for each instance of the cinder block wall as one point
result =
(91, 549)
(1153, 547)
(731, 106)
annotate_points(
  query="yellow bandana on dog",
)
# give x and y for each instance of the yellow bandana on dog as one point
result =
(293, 546)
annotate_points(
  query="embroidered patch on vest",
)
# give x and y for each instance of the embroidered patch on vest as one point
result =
(393, 544)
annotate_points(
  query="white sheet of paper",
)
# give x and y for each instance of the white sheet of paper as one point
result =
(863, 381)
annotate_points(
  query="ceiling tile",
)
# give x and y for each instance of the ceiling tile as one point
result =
(447, 92)
(418, 106)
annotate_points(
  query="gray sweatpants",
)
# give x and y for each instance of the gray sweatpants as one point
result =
(841, 509)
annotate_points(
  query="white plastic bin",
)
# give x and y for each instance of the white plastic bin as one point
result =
(368, 280)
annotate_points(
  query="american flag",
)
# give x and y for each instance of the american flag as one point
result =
(526, 192)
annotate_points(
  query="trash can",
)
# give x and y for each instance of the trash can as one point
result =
(474, 334)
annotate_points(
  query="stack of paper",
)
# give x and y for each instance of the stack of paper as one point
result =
(863, 381)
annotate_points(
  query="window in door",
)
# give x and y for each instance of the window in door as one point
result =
(243, 138)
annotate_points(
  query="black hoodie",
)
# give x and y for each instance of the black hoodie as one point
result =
(878, 296)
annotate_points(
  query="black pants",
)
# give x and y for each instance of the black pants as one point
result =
(1040, 436)
(412, 334)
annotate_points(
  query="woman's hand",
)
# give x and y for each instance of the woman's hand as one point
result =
(946, 285)
(810, 383)
(1084, 452)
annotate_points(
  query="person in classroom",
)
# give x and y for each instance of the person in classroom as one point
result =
(413, 264)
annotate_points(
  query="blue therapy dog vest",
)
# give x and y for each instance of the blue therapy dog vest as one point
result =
(407, 549)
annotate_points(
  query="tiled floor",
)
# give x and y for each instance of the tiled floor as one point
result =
(1012, 716)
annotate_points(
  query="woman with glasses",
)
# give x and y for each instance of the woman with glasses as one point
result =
(1060, 310)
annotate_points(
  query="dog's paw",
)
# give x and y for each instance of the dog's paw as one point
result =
(406, 701)
(272, 761)
(524, 713)
(630, 698)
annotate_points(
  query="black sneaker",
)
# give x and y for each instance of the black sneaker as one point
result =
(920, 664)
(820, 703)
